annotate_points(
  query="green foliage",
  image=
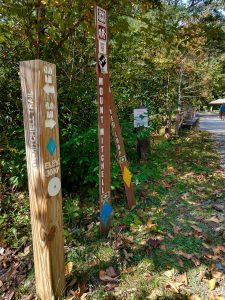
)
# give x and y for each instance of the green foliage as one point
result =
(15, 219)
(151, 44)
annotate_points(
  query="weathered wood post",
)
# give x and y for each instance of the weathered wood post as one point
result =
(102, 70)
(141, 122)
(116, 131)
(38, 82)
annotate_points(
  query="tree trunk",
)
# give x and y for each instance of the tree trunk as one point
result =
(143, 147)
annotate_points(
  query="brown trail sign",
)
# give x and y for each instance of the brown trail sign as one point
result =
(103, 117)
(121, 153)
(38, 82)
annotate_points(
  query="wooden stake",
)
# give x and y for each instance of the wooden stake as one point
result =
(103, 117)
(38, 81)
(121, 153)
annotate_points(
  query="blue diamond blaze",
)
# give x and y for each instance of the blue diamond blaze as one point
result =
(105, 213)
(51, 146)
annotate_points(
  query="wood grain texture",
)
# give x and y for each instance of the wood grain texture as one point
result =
(103, 116)
(116, 130)
(39, 106)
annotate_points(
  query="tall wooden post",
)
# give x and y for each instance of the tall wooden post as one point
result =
(102, 70)
(121, 153)
(38, 81)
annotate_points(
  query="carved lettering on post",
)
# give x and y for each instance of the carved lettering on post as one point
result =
(103, 117)
(121, 153)
(38, 82)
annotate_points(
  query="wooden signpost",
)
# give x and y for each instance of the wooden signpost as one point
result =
(38, 81)
(121, 153)
(107, 113)
(103, 117)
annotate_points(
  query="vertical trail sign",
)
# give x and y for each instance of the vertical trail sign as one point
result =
(38, 82)
(121, 153)
(103, 116)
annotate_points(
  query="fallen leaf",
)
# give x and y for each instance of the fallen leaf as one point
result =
(163, 247)
(180, 262)
(1, 283)
(110, 286)
(153, 242)
(128, 256)
(2, 250)
(93, 263)
(128, 270)
(183, 278)
(206, 245)
(184, 254)
(194, 297)
(175, 286)
(216, 219)
(212, 284)
(221, 248)
(185, 196)
(149, 224)
(28, 297)
(196, 261)
(196, 228)
(128, 239)
(111, 272)
(104, 277)
(216, 274)
(200, 188)
(212, 267)
(170, 235)
(169, 273)
(201, 275)
(83, 297)
(207, 255)
(166, 185)
(68, 268)
(176, 229)
(170, 169)
(82, 287)
(80, 292)
(9, 295)
(219, 207)
(26, 250)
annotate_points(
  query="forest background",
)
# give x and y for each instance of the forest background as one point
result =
(163, 53)
(160, 52)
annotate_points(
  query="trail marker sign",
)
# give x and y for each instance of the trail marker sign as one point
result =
(106, 114)
(140, 117)
(38, 82)
(103, 117)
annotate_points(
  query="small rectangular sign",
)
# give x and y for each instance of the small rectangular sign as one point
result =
(140, 117)
(102, 34)
(102, 47)
(101, 15)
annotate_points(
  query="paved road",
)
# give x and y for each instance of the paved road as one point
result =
(213, 124)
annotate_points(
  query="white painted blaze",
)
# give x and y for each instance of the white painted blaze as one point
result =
(54, 186)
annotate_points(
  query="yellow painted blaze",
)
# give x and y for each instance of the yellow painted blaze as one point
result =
(127, 176)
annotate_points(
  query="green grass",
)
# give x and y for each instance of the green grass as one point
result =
(175, 189)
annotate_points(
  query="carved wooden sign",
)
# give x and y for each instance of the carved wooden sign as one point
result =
(121, 153)
(38, 82)
(103, 116)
